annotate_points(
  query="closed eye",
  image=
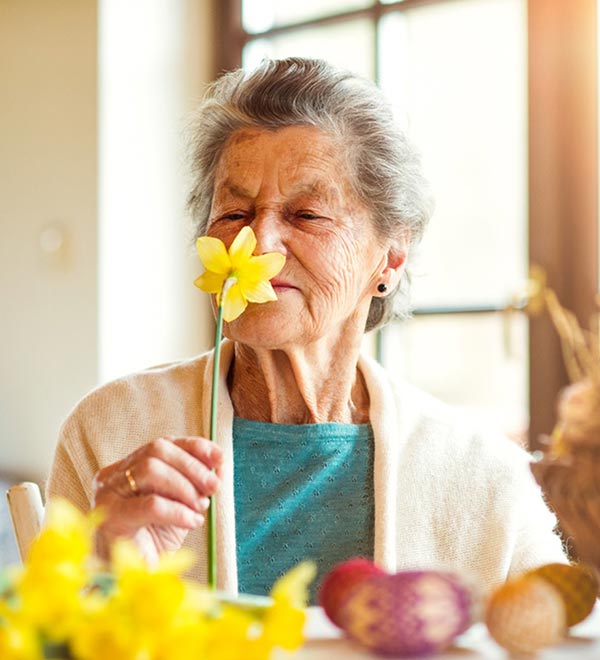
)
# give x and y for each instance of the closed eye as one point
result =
(307, 215)
(235, 215)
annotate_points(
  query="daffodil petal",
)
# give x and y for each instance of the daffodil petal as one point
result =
(234, 303)
(61, 514)
(177, 562)
(293, 586)
(210, 282)
(213, 255)
(126, 556)
(257, 292)
(251, 274)
(242, 247)
(264, 267)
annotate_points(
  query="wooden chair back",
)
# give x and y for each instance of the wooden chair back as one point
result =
(27, 513)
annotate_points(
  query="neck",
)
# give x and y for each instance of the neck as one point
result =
(308, 384)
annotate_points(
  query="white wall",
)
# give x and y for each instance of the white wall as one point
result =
(48, 301)
(52, 322)
(152, 57)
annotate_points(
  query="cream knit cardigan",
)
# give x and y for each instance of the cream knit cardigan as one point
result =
(445, 496)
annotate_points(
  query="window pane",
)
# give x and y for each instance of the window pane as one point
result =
(456, 72)
(349, 44)
(260, 15)
(476, 362)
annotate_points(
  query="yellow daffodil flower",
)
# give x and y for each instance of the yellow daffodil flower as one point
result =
(292, 588)
(56, 570)
(284, 621)
(149, 610)
(236, 273)
(19, 640)
(229, 635)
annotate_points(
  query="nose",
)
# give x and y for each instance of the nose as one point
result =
(269, 231)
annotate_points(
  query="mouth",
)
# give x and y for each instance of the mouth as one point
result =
(281, 285)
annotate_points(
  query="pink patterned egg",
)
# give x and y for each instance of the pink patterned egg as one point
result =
(414, 613)
(341, 580)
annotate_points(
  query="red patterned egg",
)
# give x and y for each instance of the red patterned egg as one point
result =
(410, 613)
(340, 581)
(526, 614)
(577, 586)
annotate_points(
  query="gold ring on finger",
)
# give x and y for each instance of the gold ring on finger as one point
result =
(135, 489)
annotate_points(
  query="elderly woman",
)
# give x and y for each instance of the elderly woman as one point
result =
(320, 454)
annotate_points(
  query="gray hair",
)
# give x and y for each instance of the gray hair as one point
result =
(384, 167)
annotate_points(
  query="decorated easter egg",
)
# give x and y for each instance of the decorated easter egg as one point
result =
(577, 586)
(340, 580)
(409, 613)
(526, 614)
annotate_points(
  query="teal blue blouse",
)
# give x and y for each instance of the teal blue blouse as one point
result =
(301, 492)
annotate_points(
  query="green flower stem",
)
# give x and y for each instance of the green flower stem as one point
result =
(212, 533)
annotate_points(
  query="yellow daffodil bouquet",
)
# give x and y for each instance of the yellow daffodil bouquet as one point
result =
(236, 277)
(60, 605)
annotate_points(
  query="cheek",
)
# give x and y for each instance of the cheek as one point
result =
(338, 269)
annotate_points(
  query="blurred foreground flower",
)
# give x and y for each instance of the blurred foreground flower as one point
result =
(61, 606)
(59, 566)
(284, 621)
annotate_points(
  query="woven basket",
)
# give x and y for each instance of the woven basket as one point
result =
(572, 487)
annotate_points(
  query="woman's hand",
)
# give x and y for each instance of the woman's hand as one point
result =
(157, 494)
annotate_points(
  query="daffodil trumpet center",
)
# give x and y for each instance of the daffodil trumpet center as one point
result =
(229, 282)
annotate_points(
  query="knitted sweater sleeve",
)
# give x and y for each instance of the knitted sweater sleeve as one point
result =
(75, 461)
(65, 481)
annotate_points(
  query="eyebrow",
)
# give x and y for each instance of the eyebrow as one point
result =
(236, 189)
(315, 188)
(318, 188)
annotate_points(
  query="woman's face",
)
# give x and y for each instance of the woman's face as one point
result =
(292, 187)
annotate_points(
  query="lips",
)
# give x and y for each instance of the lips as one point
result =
(282, 284)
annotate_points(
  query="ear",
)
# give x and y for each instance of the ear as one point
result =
(395, 262)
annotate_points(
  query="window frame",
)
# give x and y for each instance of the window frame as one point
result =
(563, 181)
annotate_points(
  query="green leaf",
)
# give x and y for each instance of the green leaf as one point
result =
(5, 581)
(104, 583)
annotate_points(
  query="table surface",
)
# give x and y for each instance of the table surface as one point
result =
(326, 642)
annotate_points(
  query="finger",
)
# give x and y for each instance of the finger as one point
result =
(124, 517)
(203, 449)
(110, 478)
(194, 457)
(157, 510)
(153, 475)
(204, 480)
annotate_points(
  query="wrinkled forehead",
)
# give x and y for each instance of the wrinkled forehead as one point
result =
(301, 159)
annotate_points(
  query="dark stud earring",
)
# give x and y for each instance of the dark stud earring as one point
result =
(382, 288)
